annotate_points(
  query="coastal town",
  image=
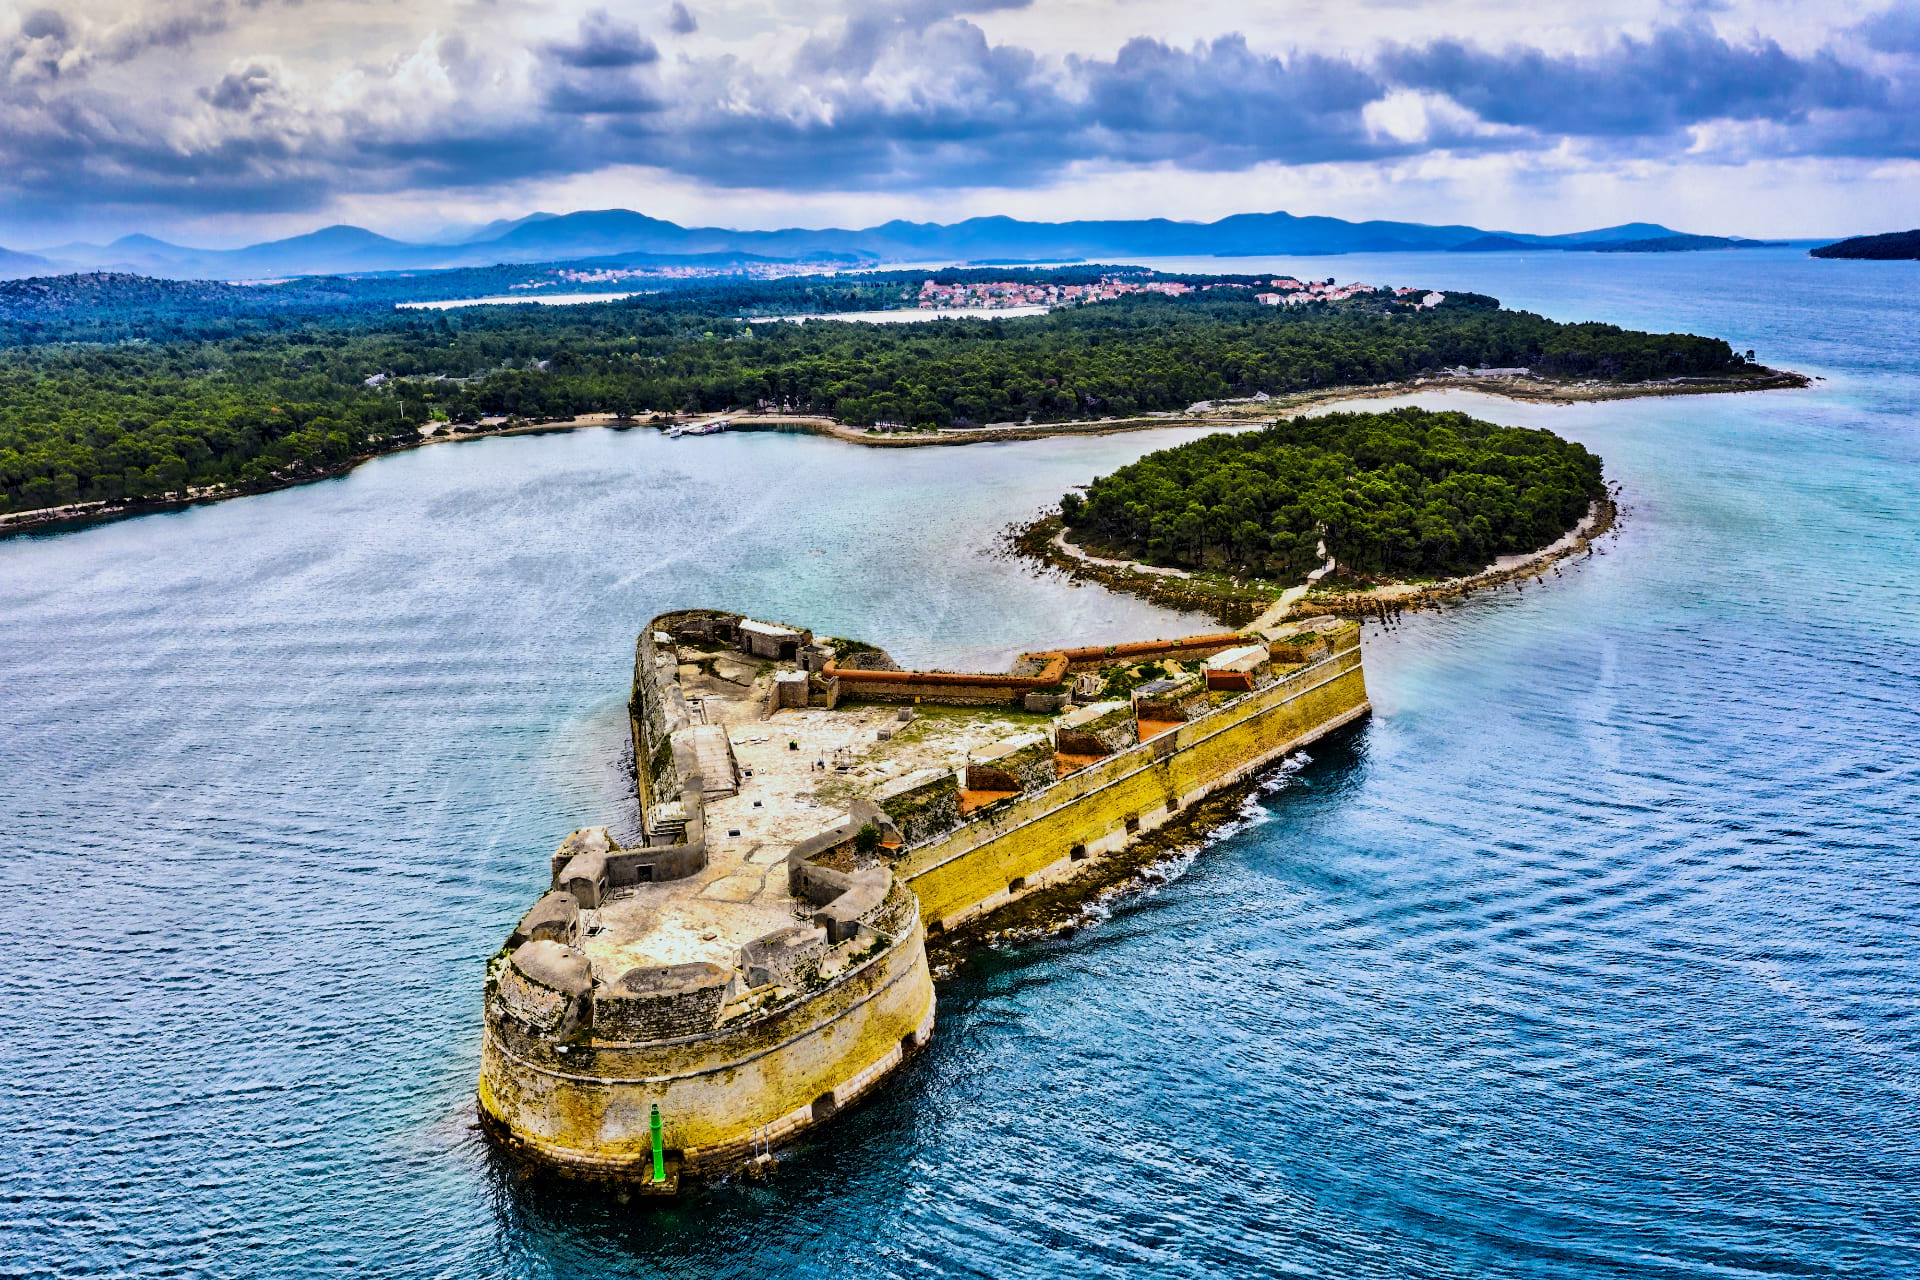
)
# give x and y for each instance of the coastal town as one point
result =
(573, 277)
(993, 295)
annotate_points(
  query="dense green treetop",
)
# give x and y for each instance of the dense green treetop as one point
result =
(1402, 493)
(274, 398)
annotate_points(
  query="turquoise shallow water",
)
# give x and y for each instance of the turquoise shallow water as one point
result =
(1595, 953)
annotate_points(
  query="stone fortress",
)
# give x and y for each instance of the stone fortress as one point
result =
(811, 814)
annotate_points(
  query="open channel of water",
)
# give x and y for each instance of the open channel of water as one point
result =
(1595, 953)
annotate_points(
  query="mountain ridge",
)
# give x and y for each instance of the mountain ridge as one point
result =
(543, 237)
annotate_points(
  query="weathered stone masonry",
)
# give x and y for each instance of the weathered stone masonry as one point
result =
(749, 1003)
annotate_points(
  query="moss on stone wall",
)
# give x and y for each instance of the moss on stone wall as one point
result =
(924, 807)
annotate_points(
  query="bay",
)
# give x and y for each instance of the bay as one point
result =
(1596, 952)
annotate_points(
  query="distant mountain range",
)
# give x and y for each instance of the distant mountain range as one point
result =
(611, 233)
(1671, 242)
(15, 265)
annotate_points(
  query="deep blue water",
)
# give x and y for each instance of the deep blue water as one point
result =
(1595, 953)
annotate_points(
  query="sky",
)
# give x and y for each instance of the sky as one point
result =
(222, 122)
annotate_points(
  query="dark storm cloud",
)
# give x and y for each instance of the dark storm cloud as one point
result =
(605, 44)
(601, 94)
(1222, 105)
(603, 71)
(1680, 77)
(942, 105)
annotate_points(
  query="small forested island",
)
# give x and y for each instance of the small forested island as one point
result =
(1894, 246)
(1402, 493)
(124, 393)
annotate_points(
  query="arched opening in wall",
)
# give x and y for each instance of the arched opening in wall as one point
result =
(824, 1106)
(1133, 825)
(936, 928)
(1016, 884)
(1077, 854)
(908, 1044)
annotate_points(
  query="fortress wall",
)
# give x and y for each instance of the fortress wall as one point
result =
(658, 1015)
(1033, 840)
(721, 1094)
(726, 1094)
(1186, 648)
(654, 770)
(945, 694)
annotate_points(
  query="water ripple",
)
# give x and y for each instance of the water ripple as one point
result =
(1596, 953)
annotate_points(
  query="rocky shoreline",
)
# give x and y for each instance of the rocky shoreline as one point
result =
(1238, 603)
(1393, 598)
(1080, 902)
(1253, 412)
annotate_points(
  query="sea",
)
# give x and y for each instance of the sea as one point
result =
(1595, 952)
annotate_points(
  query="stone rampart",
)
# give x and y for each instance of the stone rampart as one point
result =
(1030, 677)
(585, 1105)
(590, 866)
(1040, 836)
(1099, 729)
(1024, 764)
(811, 1016)
(1183, 648)
(921, 804)
(664, 1003)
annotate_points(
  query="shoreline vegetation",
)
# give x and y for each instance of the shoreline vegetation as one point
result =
(121, 398)
(1227, 415)
(1358, 513)
(1244, 603)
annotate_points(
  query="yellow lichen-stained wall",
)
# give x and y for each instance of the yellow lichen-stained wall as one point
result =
(722, 1095)
(986, 863)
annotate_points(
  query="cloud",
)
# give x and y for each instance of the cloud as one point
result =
(1652, 88)
(890, 101)
(40, 50)
(129, 40)
(1222, 105)
(604, 44)
(239, 90)
(209, 107)
(44, 24)
(603, 71)
(1896, 30)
